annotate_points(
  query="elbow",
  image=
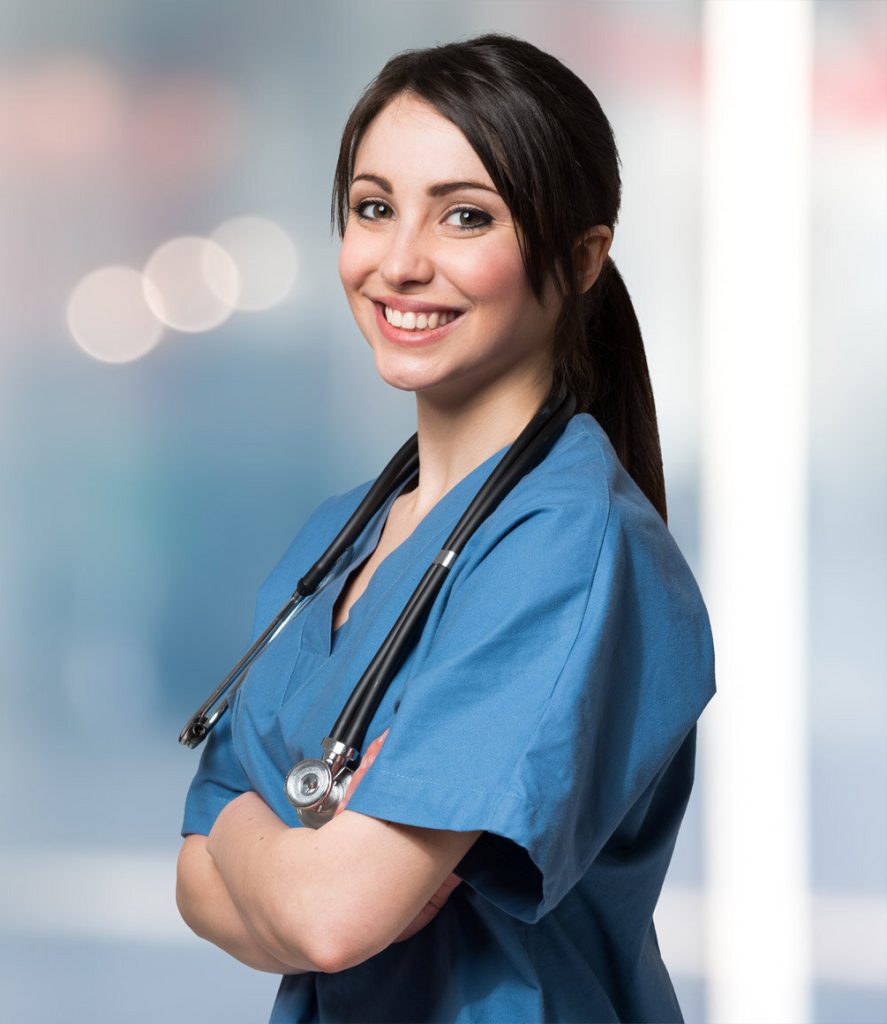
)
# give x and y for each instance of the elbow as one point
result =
(327, 955)
(296, 927)
(293, 938)
(327, 959)
(326, 922)
(300, 912)
(310, 930)
(340, 950)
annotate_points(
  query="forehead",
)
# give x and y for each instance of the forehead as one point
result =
(409, 140)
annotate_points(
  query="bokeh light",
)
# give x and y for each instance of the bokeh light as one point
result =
(109, 315)
(265, 256)
(191, 283)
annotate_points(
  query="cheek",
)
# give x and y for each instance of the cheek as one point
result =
(493, 274)
(354, 261)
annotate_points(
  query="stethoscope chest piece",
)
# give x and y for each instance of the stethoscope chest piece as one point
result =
(316, 786)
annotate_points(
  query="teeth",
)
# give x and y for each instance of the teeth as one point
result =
(418, 321)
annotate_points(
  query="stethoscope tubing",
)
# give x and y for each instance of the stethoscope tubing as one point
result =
(399, 469)
(525, 452)
(316, 786)
(402, 466)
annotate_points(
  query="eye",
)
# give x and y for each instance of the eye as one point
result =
(372, 209)
(467, 218)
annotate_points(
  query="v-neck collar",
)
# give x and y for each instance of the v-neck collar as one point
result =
(361, 551)
(318, 632)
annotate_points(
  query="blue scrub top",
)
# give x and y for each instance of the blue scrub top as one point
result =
(551, 702)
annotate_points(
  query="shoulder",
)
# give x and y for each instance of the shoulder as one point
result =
(579, 515)
(589, 480)
(567, 505)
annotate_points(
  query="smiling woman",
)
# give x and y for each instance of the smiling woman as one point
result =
(433, 269)
(502, 842)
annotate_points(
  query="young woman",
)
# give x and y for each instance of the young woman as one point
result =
(507, 833)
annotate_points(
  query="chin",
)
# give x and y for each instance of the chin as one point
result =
(404, 378)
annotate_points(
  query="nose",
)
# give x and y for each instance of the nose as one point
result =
(407, 259)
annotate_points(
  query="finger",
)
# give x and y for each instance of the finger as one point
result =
(443, 893)
(427, 914)
(364, 766)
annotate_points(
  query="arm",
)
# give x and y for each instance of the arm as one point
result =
(335, 896)
(427, 914)
(207, 909)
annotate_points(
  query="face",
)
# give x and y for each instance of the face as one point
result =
(431, 265)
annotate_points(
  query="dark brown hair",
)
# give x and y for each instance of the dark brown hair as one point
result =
(549, 149)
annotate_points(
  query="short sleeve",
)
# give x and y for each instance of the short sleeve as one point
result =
(219, 779)
(567, 664)
(220, 776)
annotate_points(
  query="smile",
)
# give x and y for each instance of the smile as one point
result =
(410, 321)
(415, 328)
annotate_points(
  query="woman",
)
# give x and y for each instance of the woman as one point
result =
(501, 857)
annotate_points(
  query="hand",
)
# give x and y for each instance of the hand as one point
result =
(427, 914)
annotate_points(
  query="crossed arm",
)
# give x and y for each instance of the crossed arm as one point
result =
(290, 900)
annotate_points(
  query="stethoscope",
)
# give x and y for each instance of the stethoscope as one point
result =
(316, 786)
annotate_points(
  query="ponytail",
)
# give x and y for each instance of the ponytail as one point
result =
(606, 369)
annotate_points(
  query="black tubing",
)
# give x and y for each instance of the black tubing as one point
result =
(401, 467)
(528, 449)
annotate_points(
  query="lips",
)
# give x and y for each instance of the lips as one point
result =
(386, 318)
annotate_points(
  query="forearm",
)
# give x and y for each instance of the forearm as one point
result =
(244, 844)
(310, 901)
(207, 908)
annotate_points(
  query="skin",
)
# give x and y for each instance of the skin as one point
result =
(374, 882)
(475, 392)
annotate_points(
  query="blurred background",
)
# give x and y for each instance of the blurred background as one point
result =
(181, 383)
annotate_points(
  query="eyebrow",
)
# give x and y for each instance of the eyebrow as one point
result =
(440, 188)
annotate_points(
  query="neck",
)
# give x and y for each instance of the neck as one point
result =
(455, 437)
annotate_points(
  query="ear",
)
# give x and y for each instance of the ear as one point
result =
(590, 252)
